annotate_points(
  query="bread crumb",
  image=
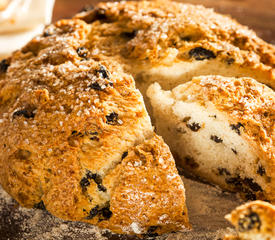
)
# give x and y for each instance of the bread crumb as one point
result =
(136, 228)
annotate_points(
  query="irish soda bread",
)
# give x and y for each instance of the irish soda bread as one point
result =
(77, 140)
(253, 221)
(221, 129)
(72, 120)
(171, 42)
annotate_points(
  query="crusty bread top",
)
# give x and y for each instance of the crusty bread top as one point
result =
(68, 123)
(147, 191)
(245, 101)
(153, 30)
(54, 100)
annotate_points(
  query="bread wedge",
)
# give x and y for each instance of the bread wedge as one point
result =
(221, 130)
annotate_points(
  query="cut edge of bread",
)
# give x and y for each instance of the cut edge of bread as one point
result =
(182, 121)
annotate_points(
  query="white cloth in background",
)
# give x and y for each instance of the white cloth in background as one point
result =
(20, 21)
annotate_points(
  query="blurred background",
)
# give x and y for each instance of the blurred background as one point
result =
(257, 14)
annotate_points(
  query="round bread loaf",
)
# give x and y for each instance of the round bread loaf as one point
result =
(172, 43)
(254, 220)
(222, 130)
(169, 43)
(69, 112)
(76, 139)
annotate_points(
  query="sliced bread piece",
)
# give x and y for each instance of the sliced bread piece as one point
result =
(222, 130)
(253, 221)
(67, 124)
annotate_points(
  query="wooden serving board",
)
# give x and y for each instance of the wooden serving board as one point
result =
(207, 205)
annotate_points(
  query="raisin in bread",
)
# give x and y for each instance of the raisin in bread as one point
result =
(77, 140)
(171, 43)
(253, 221)
(222, 130)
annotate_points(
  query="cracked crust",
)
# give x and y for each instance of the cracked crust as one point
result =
(66, 123)
(253, 220)
(156, 33)
(147, 176)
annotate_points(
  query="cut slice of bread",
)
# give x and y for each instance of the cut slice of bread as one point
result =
(147, 191)
(253, 221)
(222, 130)
(76, 139)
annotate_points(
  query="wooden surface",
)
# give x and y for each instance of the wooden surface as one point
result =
(257, 14)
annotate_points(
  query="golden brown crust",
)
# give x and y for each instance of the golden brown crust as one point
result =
(148, 176)
(66, 121)
(249, 103)
(231, 237)
(65, 117)
(149, 31)
(255, 217)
